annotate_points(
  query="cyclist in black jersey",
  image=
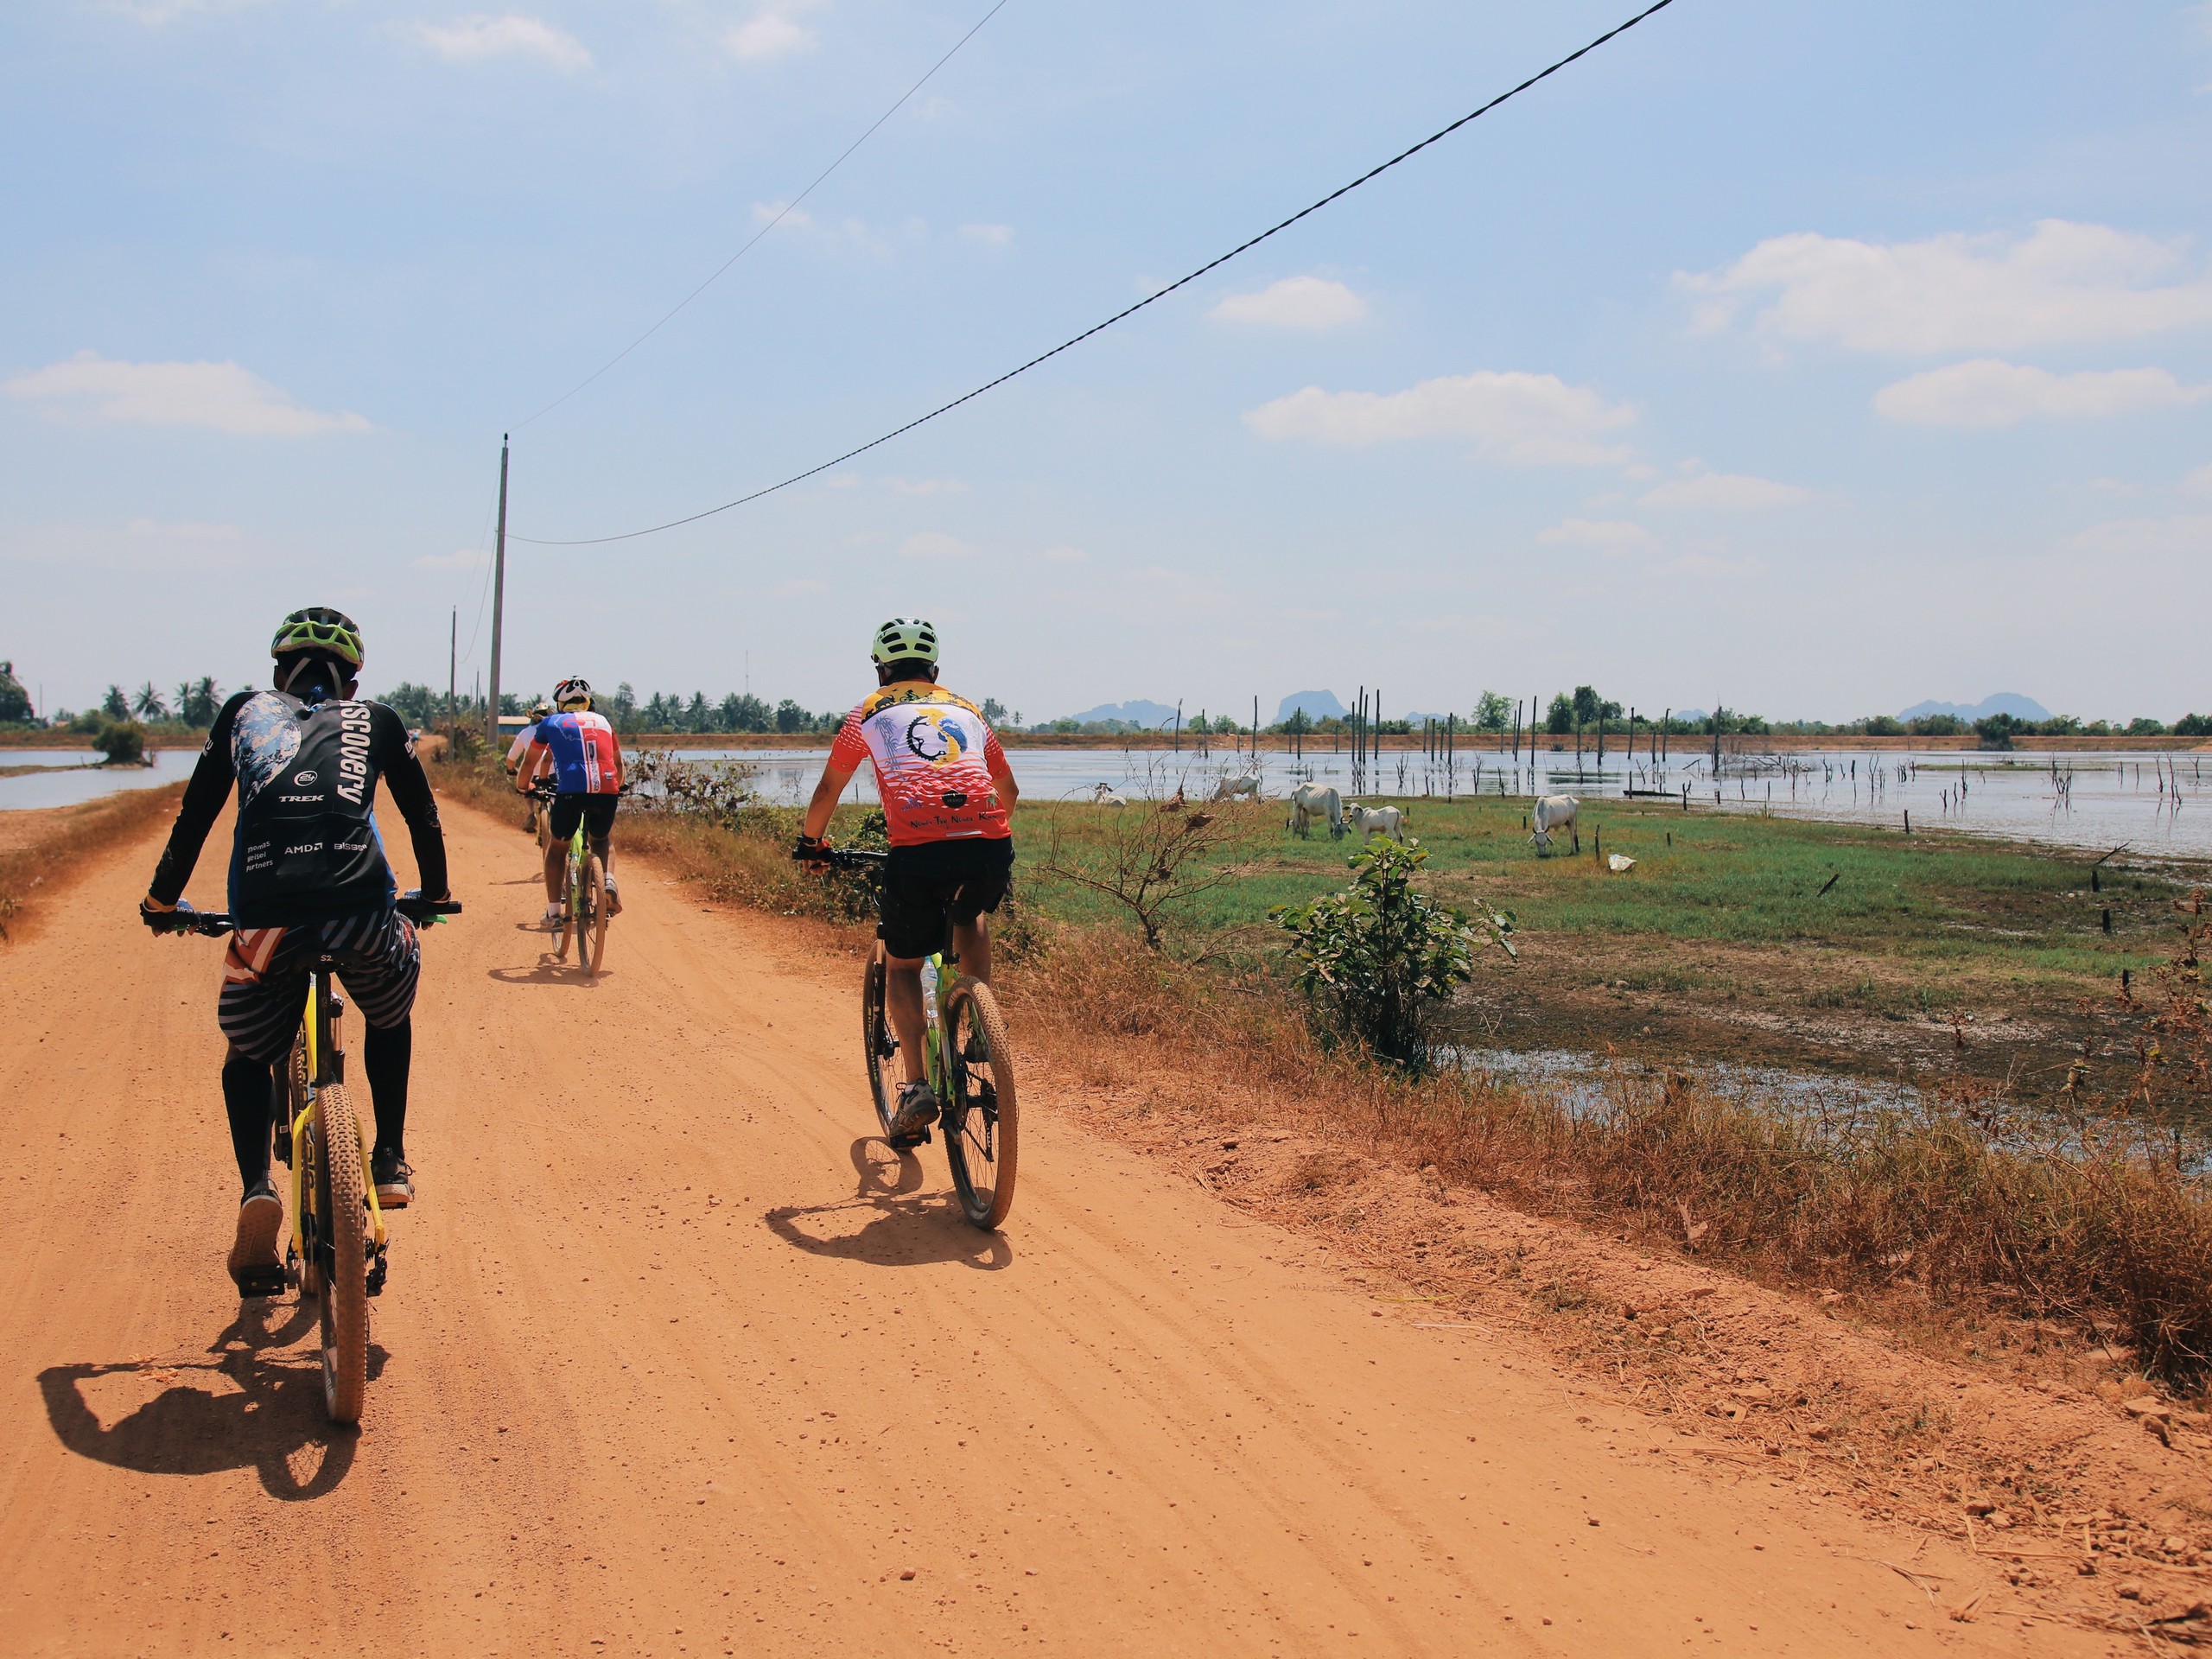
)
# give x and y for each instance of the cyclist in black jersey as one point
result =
(308, 879)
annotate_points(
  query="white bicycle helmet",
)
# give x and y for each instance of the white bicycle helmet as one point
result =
(569, 690)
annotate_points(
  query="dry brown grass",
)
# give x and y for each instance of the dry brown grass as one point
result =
(63, 841)
(1967, 1210)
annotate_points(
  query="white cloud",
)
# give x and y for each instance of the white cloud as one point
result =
(220, 395)
(926, 485)
(994, 236)
(1528, 419)
(1723, 493)
(1987, 392)
(473, 39)
(2062, 283)
(1613, 535)
(2188, 534)
(801, 585)
(934, 544)
(465, 558)
(1294, 302)
(1066, 555)
(2199, 482)
(770, 33)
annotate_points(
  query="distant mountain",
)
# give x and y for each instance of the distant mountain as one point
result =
(2005, 703)
(1318, 705)
(1138, 712)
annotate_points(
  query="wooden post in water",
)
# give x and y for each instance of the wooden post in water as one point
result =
(1665, 720)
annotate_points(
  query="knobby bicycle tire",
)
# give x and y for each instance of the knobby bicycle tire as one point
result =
(345, 1302)
(593, 923)
(877, 1042)
(982, 1122)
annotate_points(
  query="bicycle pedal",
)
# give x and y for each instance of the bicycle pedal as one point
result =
(377, 1274)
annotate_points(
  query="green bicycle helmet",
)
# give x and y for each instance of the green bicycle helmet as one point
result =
(901, 641)
(318, 627)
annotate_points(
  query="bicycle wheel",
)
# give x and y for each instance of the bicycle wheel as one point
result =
(877, 1042)
(591, 936)
(344, 1250)
(981, 1121)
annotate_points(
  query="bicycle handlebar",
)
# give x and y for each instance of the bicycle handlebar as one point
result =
(214, 923)
(546, 789)
(844, 858)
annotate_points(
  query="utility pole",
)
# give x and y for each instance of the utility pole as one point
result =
(499, 602)
(452, 672)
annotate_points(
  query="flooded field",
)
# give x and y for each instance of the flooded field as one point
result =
(2154, 804)
(65, 777)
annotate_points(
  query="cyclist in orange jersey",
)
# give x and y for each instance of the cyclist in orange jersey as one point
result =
(948, 801)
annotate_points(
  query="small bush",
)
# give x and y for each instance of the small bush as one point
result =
(1377, 959)
(122, 741)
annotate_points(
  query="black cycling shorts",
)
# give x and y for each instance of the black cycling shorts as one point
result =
(595, 812)
(927, 889)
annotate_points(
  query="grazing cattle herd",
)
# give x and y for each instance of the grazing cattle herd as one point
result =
(1549, 816)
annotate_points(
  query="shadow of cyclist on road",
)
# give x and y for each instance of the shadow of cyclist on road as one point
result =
(269, 1419)
(905, 1228)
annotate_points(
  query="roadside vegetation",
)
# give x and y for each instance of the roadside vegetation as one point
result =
(41, 850)
(2085, 1212)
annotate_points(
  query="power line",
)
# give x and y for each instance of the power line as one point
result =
(782, 213)
(1129, 311)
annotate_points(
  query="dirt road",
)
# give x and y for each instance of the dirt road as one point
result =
(673, 1360)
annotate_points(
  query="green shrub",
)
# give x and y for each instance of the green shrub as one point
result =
(1377, 959)
(122, 741)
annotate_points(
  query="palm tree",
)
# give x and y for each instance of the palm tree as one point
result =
(115, 705)
(204, 705)
(148, 703)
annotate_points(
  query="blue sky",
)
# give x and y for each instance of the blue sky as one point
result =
(1812, 359)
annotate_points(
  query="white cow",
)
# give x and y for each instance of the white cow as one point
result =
(1103, 795)
(1554, 812)
(1229, 788)
(1376, 820)
(1312, 801)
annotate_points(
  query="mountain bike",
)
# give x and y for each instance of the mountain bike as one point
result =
(966, 1059)
(584, 914)
(339, 1250)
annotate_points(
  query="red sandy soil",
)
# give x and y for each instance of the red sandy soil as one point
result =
(677, 1359)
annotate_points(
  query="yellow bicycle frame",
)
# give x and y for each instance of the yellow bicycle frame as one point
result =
(308, 1024)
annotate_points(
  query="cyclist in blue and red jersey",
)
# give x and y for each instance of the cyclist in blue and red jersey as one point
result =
(948, 796)
(578, 750)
